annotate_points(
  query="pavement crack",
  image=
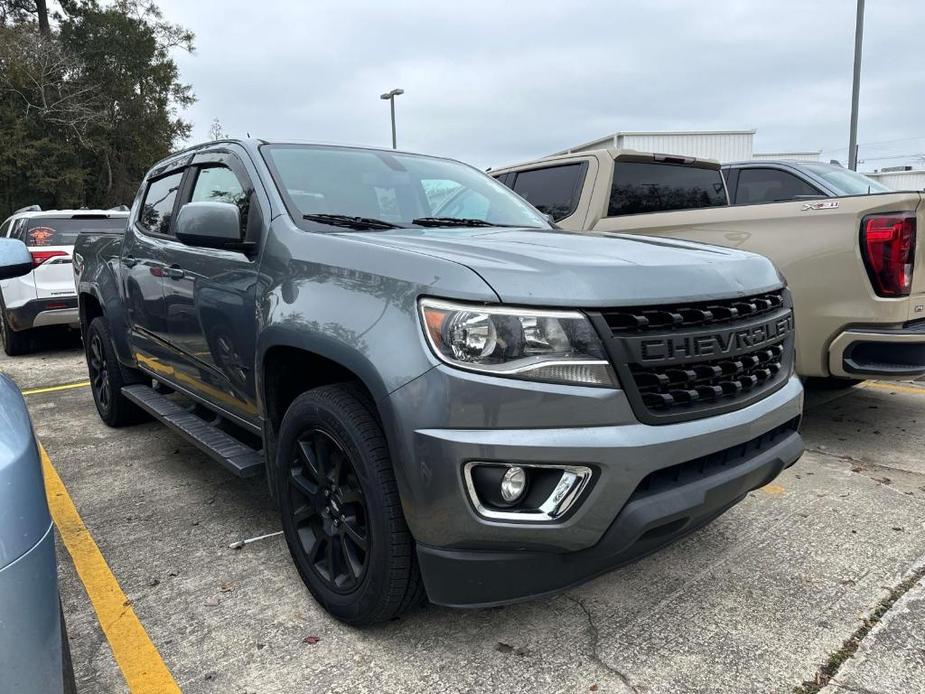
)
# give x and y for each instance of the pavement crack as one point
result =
(595, 644)
(827, 670)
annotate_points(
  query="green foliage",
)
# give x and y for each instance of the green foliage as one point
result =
(86, 111)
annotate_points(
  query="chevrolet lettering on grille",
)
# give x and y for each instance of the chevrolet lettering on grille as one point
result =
(716, 343)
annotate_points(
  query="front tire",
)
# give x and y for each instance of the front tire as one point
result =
(340, 508)
(107, 376)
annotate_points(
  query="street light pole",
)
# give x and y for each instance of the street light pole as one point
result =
(855, 89)
(390, 97)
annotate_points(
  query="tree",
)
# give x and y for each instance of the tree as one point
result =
(126, 50)
(215, 130)
(15, 11)
(44, 118)
(88, 107)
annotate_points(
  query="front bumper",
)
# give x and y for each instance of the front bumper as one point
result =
(466, 578)
(877, 352)
(43, 312)
(467, 559)
(30, 621)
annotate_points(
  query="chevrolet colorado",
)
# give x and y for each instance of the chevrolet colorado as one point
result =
(474, 405)
(849, 260)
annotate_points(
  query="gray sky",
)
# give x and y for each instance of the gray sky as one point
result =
(493, 83)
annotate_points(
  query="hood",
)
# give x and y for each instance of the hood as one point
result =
(559, 268)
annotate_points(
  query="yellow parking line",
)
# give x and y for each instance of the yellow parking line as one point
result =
(142, 666)
(52, 389)
(893, 388)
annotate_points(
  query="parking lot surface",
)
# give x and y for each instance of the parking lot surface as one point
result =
(820, 572)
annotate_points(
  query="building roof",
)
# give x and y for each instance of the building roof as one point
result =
(612, 138)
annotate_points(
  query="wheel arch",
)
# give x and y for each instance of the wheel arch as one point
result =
(289, 365)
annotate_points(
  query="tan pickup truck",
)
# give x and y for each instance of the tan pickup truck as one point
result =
(849, 261)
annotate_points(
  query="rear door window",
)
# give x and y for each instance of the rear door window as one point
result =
(770, 185)
(157, 209)
(640, 187)
(553, 190)
(37, 231)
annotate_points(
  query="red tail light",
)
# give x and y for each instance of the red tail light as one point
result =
(888, 247)
(39, 257)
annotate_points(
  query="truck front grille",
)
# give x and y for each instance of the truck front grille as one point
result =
(695, 360)
(703, 313)
(708, 381)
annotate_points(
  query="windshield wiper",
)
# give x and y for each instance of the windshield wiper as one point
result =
(454, 222)
(345, 220)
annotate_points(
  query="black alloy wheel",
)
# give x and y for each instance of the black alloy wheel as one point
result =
(329, 511)
(340, 508)
(99, 372)
(108, 376)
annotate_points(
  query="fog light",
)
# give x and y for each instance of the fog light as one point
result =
(513, 484)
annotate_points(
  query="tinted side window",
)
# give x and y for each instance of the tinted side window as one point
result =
(5, 228)
(642, 187)
(769, 185)
(157, 208)
(554, 190)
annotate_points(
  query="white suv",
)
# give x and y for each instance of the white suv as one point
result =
(46, 296)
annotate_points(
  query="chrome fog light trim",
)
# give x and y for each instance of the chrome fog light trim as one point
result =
(568, 489)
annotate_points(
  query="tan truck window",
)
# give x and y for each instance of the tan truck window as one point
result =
(770, 185)
(643, 187)
(553, 190)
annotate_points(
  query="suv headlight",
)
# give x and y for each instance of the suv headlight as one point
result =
(530, 344)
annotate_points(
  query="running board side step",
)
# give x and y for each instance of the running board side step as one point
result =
(239, 459)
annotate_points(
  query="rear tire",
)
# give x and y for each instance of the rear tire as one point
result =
(14, 343)
(107, 376)
(340, 508)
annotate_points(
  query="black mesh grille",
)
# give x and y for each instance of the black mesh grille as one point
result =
(702, 314)
(705, 466)
(683, 385)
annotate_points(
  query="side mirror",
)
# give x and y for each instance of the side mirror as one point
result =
(209, 224)
(15, 260)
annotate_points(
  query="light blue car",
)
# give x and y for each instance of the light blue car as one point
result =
(34, 656)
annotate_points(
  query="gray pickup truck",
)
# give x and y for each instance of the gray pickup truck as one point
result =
(448, 396)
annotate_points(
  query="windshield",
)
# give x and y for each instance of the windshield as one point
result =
(401, 189)
(49, 231)
(846, 181)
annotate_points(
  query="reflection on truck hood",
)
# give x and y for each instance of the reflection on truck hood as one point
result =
(570, 269)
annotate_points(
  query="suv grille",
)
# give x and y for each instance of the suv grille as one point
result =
(699, 359)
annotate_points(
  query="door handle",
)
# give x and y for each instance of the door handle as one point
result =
(130, 261)
(174, 273)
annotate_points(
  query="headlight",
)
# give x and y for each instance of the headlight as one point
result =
(556, 346)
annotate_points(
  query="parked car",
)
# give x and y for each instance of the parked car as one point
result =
(34, 653)
(753, 182)
(481, 407)
(849, 260)
(46, 295)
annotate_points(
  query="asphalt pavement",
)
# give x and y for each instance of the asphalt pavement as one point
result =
(812, 583)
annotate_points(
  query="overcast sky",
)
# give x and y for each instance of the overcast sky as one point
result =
(493, 83)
